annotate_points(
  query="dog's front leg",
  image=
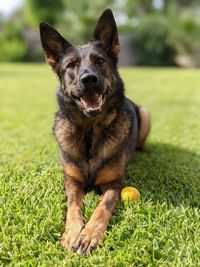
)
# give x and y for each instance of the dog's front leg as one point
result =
(93, 233)
(74, 218)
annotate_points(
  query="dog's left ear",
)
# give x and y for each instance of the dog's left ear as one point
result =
(106, 32)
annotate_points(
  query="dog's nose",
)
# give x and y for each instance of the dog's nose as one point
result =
(89, 79)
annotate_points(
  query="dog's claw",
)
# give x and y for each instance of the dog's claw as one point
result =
(92, 248)
(87, 241)
(70, 236)
(76, 246)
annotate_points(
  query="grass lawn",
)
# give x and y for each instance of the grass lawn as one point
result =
(163, 229)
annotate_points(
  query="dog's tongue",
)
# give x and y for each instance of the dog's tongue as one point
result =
(92, 102)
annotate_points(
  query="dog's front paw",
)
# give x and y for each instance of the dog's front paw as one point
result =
(88, 240)
(71, 234)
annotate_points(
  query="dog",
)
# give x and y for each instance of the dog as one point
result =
(97, 128)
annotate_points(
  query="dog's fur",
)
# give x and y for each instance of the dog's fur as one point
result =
(97, 127)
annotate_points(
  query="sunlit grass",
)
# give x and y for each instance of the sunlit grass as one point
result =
(163, 229)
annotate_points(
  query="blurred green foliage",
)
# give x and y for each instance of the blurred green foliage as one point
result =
(79, 17)
(160, 34)
(153, 44)
(160, 30)
(36, 11)
(13, 47)
(159, 39)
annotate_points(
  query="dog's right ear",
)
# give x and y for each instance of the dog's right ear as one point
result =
(54, 45)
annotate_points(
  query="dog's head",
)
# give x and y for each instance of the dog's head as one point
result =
(87, 73)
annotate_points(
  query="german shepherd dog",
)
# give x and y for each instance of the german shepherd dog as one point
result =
(97, 128)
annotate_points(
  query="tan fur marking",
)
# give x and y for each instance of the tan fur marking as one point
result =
(109, 118)
(51, 61)
(73, 171)
(116, 49)
(145, 126)
(64, 132)
(110, 173)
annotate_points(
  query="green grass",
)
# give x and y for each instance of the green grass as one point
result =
(163, 229)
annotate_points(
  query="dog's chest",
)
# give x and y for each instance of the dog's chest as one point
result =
(95, 151)
(82, 144)
(89, 148)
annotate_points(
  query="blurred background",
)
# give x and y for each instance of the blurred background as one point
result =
(152, 32)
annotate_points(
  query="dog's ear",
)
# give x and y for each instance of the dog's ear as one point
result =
(54, 45)
(106, 32)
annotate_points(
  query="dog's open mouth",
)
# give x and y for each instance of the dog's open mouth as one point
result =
(91, 103)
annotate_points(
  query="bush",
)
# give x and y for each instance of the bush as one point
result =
(12, 45)
(12, 50)
(153, 43)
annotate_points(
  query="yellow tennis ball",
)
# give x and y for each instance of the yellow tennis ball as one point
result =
(130, 193)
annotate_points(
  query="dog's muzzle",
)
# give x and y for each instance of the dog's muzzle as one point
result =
(90, 97)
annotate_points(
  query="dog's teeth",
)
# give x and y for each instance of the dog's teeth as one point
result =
(92, 109)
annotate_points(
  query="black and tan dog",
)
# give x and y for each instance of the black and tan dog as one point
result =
(97, 127)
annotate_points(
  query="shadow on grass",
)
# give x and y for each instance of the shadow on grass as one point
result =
(163, 174)
(166, 173)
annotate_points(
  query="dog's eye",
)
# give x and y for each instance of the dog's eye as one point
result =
(71, 65)
(100, 60)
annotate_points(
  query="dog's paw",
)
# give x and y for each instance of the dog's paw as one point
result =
(71, 234)
(88, 240)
